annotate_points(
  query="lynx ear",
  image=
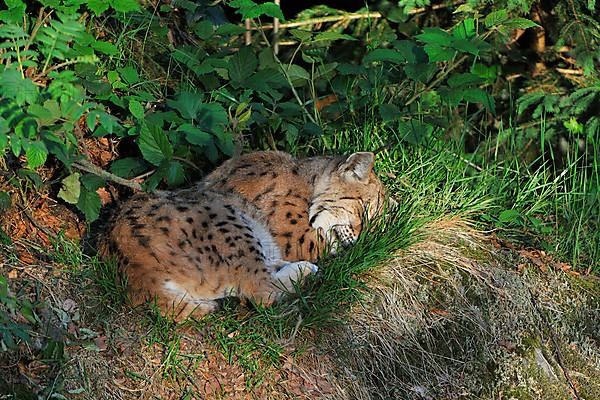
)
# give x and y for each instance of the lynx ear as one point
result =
(358, 166)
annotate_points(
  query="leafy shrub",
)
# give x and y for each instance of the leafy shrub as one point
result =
(56, 89)
(179, 87)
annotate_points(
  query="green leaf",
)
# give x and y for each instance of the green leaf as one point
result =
(420, 72)
(16, 144)
(459, 80)
(98, 6)
(105, 48)
(249, 9)
(476, 95)
(125, 5)
(108, 122)
(329, 36)
(465, 29)
(410, 51)
(242, 64)
(212, 118)
(5, 201)
(297, 75)
(226, 145)
(211, 152)
(415, 132)
(495, 18)
(389, 112)
(92, 182)
(187, 103)
(301, 34)
(509, 216)
(465, 46)
(46, 114)
(71, 188)
(3, 140)
(36, 154)
(230, 29)
(15, 12)
(128, 167)
(136, 109)
(129, 74)
(175, 174)
(57, 147)
(519, 23)
(435, 36)
(204, 29)
(311, 129)
(89, 203)
(27, 128)
(14, 86)
(4, 238)
(488, 74)
(154, 144)
(574, 127)
(384, 55)
(438, 53)
(195, 135)
(270, 9)
(527, 100)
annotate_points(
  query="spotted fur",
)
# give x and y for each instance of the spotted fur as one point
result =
(308, 203)
(249, 230)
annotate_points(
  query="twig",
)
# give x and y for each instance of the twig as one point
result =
(188, 162)
(54, 68)
(276, 32)
(41, 19)
(320, 20)
(352, 16)
(34, 221)
(93, 169)
(248, 33)
(566, 71)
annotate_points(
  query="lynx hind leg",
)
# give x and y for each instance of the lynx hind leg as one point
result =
(177, 306)
(294, 272)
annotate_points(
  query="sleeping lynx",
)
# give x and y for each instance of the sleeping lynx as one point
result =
(249, 230)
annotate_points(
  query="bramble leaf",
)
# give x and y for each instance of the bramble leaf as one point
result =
(71, 188)
(195, 135)
(89, 203)
(36, 153)
(128, 167)
(154, 144)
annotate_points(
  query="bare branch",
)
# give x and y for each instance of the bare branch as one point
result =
(94, 169)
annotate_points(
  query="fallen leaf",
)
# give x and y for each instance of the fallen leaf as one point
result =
(100, 341)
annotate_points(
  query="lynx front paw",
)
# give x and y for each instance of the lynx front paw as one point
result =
(296, 271)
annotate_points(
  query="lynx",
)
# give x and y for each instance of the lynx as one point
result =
(251, 229)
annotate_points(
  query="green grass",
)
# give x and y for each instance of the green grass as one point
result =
(429, 183)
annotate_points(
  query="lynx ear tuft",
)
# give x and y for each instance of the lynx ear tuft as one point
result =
(358, 166)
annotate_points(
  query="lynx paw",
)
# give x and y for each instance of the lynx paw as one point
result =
(296, 270)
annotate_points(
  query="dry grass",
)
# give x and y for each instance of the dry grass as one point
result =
(452, 317)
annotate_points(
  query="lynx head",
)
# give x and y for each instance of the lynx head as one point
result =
(347, 192)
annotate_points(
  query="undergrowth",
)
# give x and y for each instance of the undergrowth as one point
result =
(175, 91)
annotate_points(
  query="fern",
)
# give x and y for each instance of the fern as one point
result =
(56, 39)
(527, 100)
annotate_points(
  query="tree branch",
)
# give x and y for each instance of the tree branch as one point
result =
(94, 169)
